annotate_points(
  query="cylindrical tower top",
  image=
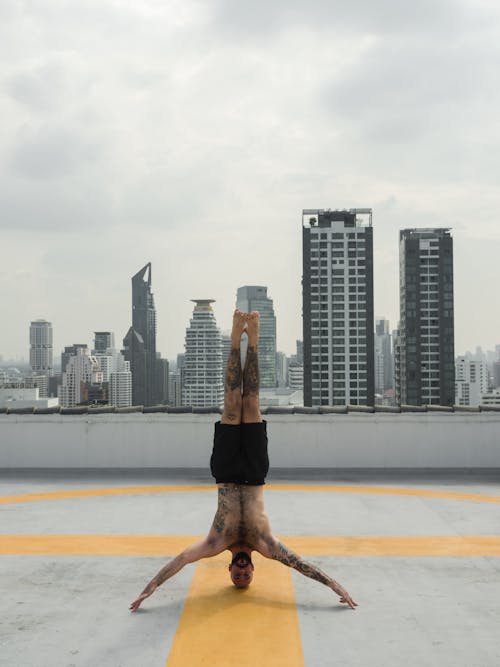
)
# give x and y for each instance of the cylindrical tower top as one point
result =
(203, 304)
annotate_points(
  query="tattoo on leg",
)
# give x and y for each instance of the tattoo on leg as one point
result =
(251, 373)
(233, 371)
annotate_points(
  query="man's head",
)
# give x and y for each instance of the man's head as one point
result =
(241, 569)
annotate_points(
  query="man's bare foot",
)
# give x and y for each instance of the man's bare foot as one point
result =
(253, 320)
(239, 326)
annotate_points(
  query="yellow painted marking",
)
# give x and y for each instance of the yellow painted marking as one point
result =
(113, 491)
(337, 545)
(136, 490)
(94, 545)
(223, 626)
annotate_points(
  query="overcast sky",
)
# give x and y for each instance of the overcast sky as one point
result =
(192, 134)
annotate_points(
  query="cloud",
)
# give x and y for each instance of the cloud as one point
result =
(261, 19)
(52, 151)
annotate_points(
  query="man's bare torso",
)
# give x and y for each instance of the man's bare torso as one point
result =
(240, 518)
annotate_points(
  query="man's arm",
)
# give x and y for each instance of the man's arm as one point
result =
(278, 551)
(204, 549)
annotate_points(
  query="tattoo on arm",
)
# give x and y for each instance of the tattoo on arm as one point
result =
(251, 373)
(290, 558)
(233, 371)
(165, 573)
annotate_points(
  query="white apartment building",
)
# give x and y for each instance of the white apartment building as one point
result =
(471, 381)
(296, 376)
(491, 398)
(41, 350)
(116, 371)
(82, 368)
(337, 289)
(203, 383)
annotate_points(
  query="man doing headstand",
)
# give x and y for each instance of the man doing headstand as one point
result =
(239, 464)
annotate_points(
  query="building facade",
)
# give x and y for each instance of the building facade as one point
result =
(471, 381)
(103, 340)
(254, 297)
(384, 367)
(337, 298)
(41, 349)
(139, 344)
(203, 376)
(82, 371)
(426, 364)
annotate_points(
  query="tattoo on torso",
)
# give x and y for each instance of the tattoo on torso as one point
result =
(238, 517)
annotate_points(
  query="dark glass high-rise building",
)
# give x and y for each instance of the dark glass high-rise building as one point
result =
(140, 341)
(254, 297)
(337, 307)
(103, 340)
(425, 368)
(384, 367)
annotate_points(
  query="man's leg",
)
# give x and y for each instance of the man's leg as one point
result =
(233, 377)
(251, 404)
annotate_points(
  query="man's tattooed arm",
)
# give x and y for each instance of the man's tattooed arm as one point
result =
(278, 551)
(288, 557)
(210, 546)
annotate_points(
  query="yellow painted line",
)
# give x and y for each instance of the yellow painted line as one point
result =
(136, 490)
(337, 545)
(225, 626)
(112, 491)
(94, 545)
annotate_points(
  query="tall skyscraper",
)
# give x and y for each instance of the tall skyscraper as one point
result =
(226, 348)
(281, 369)
(384, 367)
(41, 351)
(426, 364)
(337, 298)
(254, 297)
(140, 342)
(203, 377)
(103, 340)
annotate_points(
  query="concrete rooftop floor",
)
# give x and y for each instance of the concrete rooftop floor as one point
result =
(65, 600)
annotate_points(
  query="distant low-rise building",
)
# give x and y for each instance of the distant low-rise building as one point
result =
(471, 381)
(491, 398)
(24, 397)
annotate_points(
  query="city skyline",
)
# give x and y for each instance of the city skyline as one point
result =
(110, 143)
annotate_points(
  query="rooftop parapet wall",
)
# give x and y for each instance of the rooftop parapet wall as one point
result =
(357, 439)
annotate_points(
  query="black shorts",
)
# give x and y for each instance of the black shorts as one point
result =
(240, 453)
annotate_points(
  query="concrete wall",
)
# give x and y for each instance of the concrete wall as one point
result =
(412, 440)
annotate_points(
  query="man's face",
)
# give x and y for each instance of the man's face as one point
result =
(241, 570)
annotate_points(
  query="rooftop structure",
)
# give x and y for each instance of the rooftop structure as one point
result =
(418, 552)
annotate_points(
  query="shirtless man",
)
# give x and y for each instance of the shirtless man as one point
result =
(239, 464)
